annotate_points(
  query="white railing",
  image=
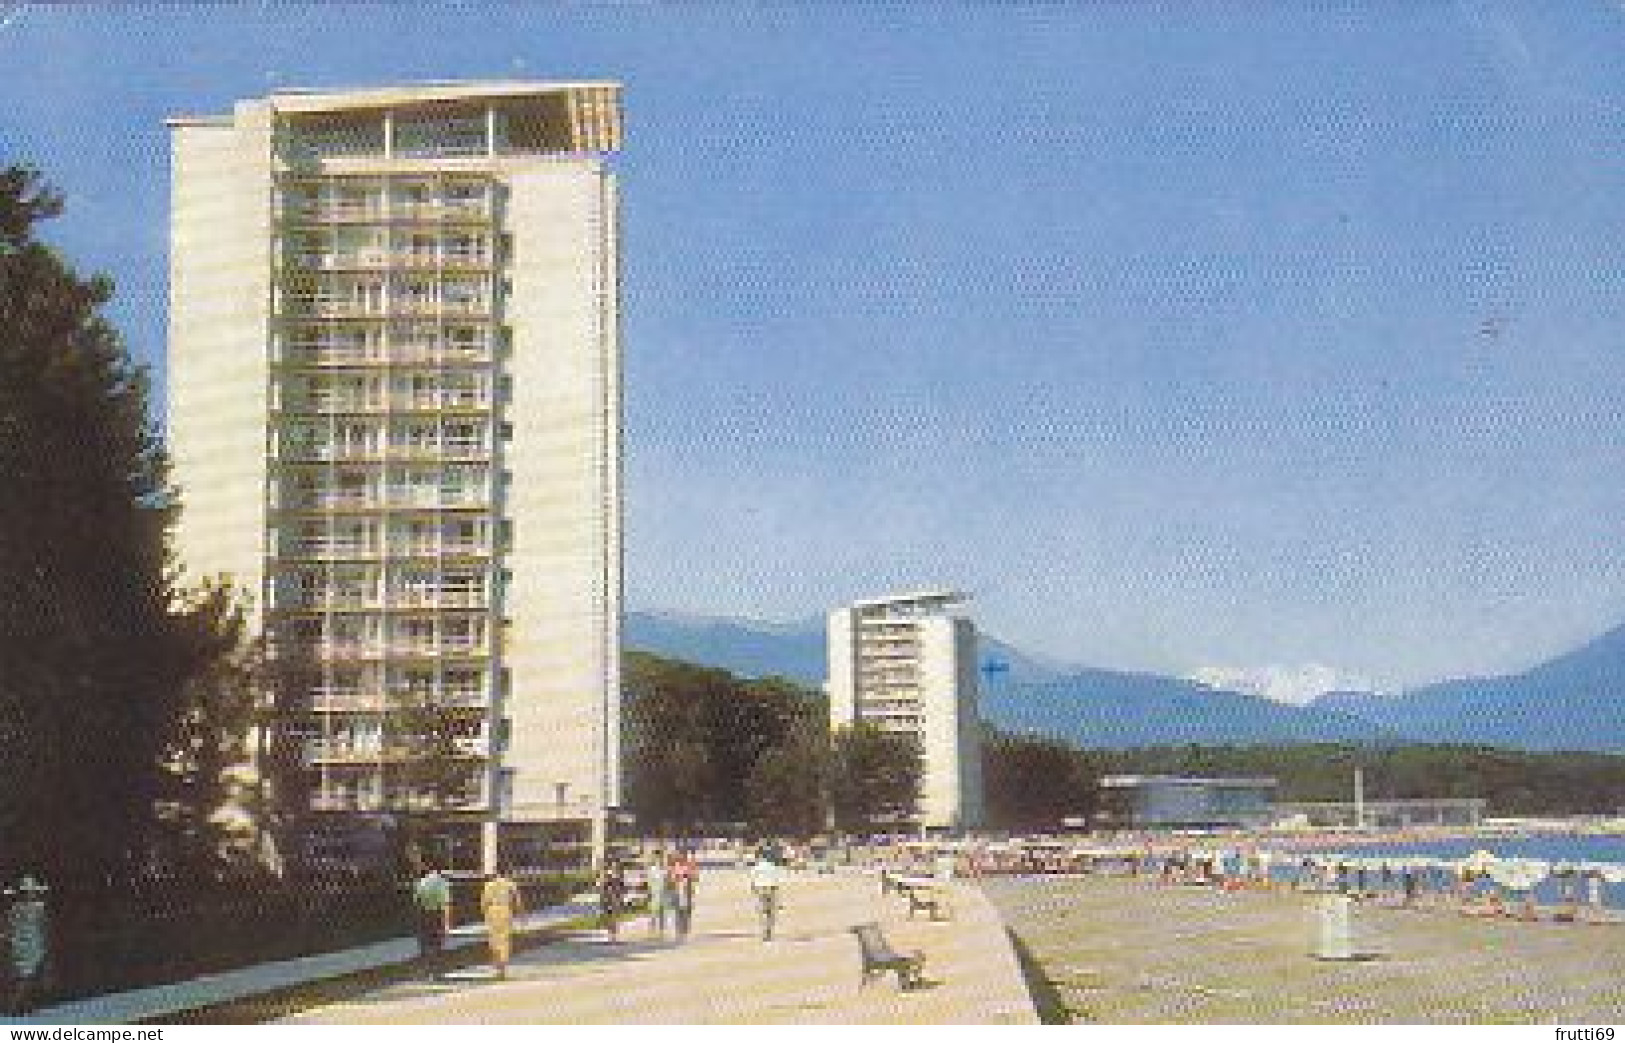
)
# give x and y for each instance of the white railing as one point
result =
(438, 598)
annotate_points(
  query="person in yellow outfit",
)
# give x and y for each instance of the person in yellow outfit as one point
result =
(500, 902)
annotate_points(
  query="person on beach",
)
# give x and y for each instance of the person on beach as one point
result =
(500, 902)
(658, 878)
(1595, 911)
(766, 876)
(611, 898)
(28, 940)
(431, 901)
(684, 874)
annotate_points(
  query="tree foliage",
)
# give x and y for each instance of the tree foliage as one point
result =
(1032, 784)
(785, 792)
(102, 663)
(694, 736)
(209, 808)
(706, 747)
(874, 779)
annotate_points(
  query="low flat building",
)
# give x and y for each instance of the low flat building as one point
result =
(1178, 802)
(1384, 814)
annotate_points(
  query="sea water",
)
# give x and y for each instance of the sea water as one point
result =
(1552, 848)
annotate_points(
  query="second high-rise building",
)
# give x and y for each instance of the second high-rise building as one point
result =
(907, 664)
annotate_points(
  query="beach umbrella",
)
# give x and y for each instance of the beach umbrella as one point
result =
(1520, 874)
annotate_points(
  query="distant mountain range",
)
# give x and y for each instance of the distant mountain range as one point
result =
(1026, 693)
(1573, 702)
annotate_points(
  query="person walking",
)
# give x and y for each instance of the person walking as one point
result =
(684, 874)
(28, 939)
(431, 900)
(766, 876)
(501, 903)
(658, 880)
(611, 897)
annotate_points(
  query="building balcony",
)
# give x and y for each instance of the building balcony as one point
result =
(304, 211)
(340, 260)
(302, 307)
(346, 702)
(338, 501)
(369, 405)
(463, 211)
(303, 351)
(466, 599)
(331, 550)
(333, 354)
(438, 354)
(454, 451)
(459, 309)
(337, 652)
(394, 801)
(453, 700)
(438, 650)
(363, 505)
(320, 752)
(317, 454)
(432, 552)
(460, 262)
(342, 802)
(321, 601)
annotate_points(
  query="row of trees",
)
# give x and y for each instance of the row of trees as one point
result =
(704, 747)
(124, 699)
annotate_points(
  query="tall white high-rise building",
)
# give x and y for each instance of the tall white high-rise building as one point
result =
(907, 664)
(394, 416)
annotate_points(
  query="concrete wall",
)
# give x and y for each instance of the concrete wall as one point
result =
(939, 732)
(969, 719)
(220, 264)
(841, 686)
(563, 600)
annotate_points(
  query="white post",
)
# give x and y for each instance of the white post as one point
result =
(1359, 798)
(1335, 928)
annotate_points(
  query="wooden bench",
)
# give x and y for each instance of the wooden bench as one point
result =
(930, 898)
(879, 957)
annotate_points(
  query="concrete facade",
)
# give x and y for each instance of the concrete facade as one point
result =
(395, 422)
(907, 664)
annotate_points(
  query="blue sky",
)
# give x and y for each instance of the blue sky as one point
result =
(1180, 335)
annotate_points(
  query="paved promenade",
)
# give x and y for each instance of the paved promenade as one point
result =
(246, 989)
(725, 974)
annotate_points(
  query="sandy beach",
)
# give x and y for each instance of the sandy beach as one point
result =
(1117, 950)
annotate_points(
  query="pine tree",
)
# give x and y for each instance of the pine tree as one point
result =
(90, 667)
